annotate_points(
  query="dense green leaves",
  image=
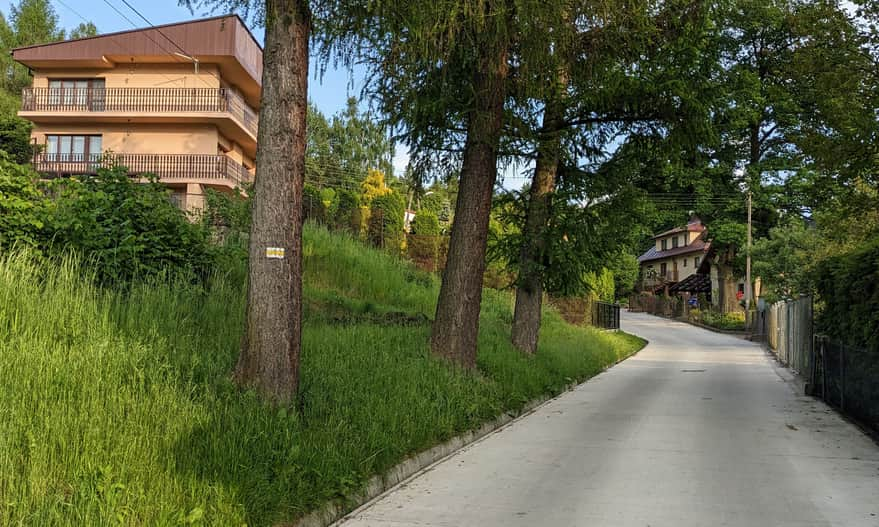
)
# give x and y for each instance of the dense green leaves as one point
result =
(849, 286)
(23, 207)
(127, 230)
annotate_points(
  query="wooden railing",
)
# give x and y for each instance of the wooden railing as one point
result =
(657, 278)
(198, 167)
(123, 100)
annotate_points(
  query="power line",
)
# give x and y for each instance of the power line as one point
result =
(111, 37)
(138, 13)
(154, 41)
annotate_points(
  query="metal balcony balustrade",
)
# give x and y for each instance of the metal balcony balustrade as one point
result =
(202, 168)
(122, 100)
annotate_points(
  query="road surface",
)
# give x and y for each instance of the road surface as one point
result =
(697, 429)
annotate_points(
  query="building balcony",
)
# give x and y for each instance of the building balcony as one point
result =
(657, 279)
(211, 170)
(223, 107)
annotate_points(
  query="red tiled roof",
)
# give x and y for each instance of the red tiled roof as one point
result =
(698, 246)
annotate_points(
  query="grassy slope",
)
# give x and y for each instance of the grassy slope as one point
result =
(119, 410)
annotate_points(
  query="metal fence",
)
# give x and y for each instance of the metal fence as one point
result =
(843, 376)
(847, 378)
(606, 315)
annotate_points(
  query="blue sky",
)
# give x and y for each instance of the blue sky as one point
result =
(329, 93)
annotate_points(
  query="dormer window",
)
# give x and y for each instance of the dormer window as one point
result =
(674, 242)
(664, 245)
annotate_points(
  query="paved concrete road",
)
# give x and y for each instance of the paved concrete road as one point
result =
(698, 429)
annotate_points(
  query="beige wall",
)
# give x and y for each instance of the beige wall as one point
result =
(142, 138)
(685, 264)
(139, 76)
(235, 151)
(682, 240)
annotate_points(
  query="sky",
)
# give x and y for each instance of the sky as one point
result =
(329, 93)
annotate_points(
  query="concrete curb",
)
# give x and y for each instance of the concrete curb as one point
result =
(423, 461)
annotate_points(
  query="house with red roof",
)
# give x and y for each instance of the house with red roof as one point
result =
(682, 261)
(675, 255)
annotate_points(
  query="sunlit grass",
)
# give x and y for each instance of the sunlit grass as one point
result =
(117, 408)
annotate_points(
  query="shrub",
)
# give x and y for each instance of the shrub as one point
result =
(386, 222)
(426, 223)
(848, 284)
(126, 229)
(23, 207)
(439, 205)
(15, 138)
(313, 207)
(347, 214)
(374, 186)
(225, 210)
(727, 321)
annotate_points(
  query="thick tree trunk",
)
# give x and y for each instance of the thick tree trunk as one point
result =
(529, 290)
(456, 326)
(269, 360)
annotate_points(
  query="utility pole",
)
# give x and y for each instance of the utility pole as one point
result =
(748, 290)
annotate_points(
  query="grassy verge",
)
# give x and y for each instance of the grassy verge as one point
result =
(117, 408)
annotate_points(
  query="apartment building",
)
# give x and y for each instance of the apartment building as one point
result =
(180, 101)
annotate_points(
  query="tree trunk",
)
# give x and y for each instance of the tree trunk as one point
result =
(529, 290)
(269, 360)
(456, 326)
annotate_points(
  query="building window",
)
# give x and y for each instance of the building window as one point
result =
(88, 94)
(674, 242)
(663, 269)
(73, 148)
(696, 262)
(685, 262)
(664, 244)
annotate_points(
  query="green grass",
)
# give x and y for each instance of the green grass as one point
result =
(117, 408)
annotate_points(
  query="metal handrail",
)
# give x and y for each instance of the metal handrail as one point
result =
(200, 167)
(92, 99)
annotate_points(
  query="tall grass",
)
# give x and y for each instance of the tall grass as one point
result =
(116, 408)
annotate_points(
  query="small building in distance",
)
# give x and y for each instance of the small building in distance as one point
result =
(682, 261)
(675, 255)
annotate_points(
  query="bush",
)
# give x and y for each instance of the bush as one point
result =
(23, 207)
(347, 214)
(313, 207)
(126, 229)
(230, 211)
(386, 222)
(15, 139)
(426, 223)
(439, 205)
(848, 285)
(734, 321)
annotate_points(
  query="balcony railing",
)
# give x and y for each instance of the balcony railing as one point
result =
(160, 100)
(656, 278)
(198, 167)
